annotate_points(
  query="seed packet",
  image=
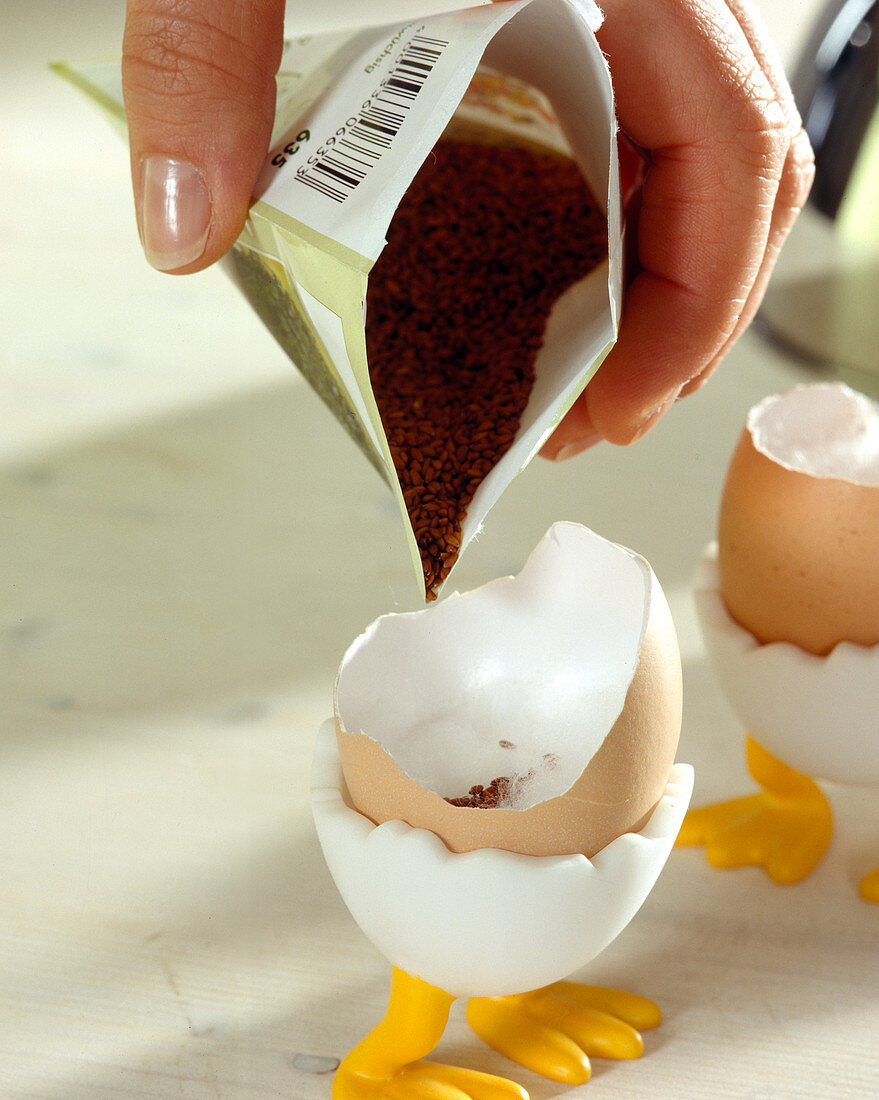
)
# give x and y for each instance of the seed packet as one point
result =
(460, 130)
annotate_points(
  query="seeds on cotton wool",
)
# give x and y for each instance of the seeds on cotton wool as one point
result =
(564, 679)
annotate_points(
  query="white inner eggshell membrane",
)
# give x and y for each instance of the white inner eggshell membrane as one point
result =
(522, 678)
(826, 430)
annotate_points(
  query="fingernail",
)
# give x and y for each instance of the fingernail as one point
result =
(575, 447)
(175, 212)
(656, 414)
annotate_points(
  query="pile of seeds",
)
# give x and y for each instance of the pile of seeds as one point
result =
(483, 243)
(484, 798)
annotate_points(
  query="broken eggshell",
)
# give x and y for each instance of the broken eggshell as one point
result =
(564, 679)
(798, 532)
(488, 922)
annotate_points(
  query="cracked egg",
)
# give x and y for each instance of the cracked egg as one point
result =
(539, 714)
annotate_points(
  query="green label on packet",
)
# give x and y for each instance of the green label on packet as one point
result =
(265, 284)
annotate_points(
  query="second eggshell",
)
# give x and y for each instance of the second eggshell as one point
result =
(565, 677)
(798, 533)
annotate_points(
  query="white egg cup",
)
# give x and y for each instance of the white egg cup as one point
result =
(817, 714)
(487, 922)
(565, 681)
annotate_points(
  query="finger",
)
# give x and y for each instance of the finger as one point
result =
(198, 81)
(601, 1035)
(545, 1050)
(690, 91)
(522, 1038)
(793, 190)
(635, 1010)
(796, 179)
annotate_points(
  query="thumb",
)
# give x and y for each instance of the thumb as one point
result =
(199, 88)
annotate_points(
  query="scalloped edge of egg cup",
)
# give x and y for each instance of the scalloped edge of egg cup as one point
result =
(487, 922)
(793, 702)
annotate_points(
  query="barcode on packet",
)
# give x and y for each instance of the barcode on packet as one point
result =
(345, 159)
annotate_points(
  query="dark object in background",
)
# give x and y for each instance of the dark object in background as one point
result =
(836, 87)
(821, 302)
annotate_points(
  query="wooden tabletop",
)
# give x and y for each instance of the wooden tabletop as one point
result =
(189, 542)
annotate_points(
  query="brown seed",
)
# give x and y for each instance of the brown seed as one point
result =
(485, 798)
(483, 242)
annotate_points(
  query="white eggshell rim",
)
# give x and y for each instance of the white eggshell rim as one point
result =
(487, 922)
(526, 668)
(816, 714)
(825, 430)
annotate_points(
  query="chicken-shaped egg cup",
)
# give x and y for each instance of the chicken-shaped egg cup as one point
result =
(495, 799)
(788, 599)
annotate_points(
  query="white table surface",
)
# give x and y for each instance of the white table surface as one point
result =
(188, 542)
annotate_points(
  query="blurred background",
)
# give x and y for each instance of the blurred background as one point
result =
(188, 543)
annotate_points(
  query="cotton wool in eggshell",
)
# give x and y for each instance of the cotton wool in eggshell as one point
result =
(565, 678)
(798, 534)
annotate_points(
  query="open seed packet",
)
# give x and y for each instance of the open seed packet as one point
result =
(435, 241)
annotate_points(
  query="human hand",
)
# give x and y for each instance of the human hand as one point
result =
(700, 89)
(198, 78)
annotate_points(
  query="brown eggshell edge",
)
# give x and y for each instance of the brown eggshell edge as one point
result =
(616, 793)
(798, 554)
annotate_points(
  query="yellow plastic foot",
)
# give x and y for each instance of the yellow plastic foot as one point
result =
(869, 888)
(388, 1065)
(785, 829)
(554, 1031)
